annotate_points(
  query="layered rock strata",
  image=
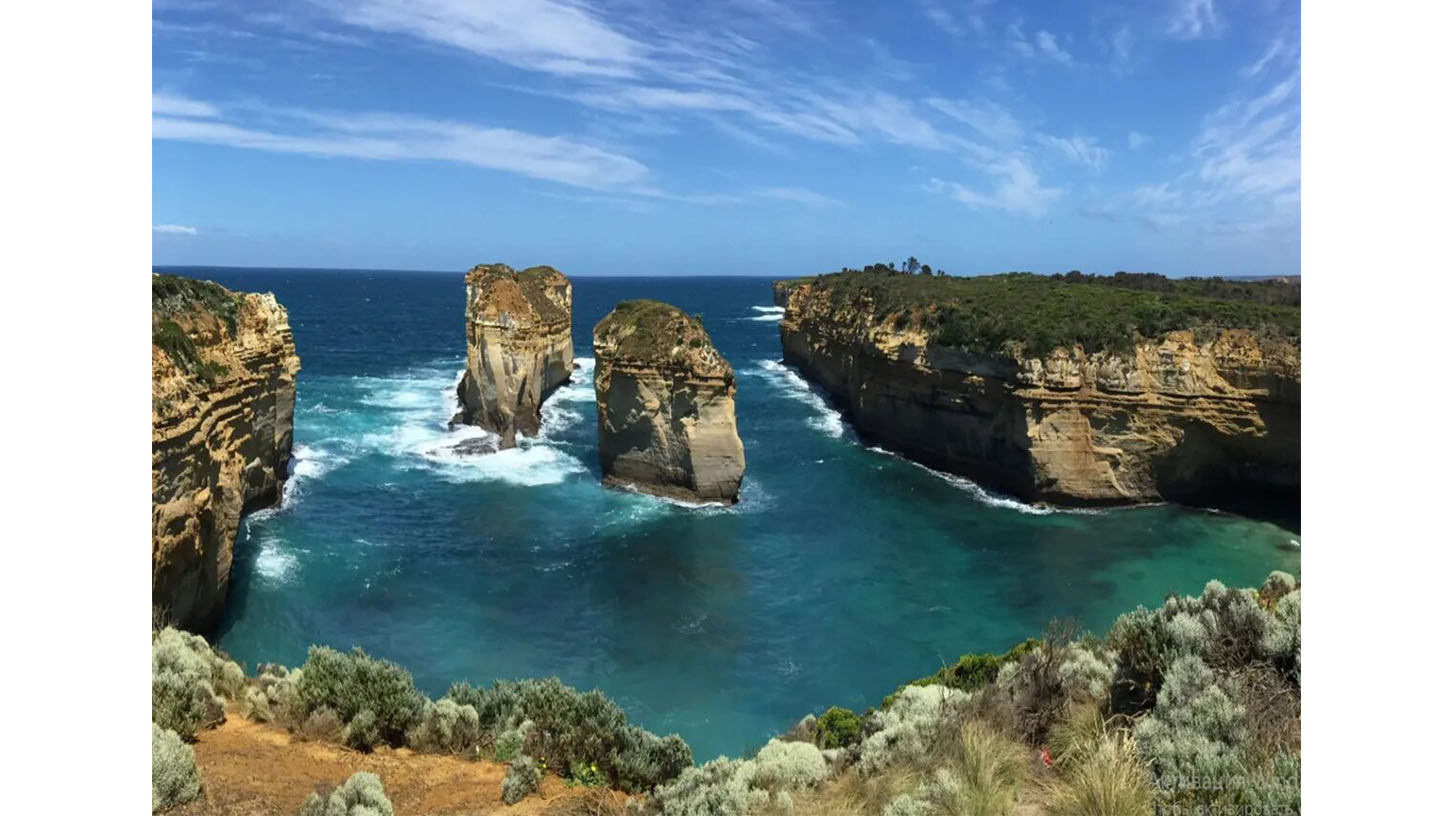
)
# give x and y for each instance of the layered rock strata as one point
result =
(665, 417)
(223, 368)
(517, 347)
(1212, 420)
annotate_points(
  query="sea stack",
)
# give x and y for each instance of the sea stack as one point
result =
(223, 368)
(665, 420)
(517, 347)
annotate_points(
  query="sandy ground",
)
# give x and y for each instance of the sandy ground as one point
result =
(251, 769)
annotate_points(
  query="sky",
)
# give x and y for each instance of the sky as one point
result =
(756, 137)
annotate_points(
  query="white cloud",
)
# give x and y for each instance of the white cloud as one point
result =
(1194, 19)
(541, 35)
(988, 119)
(384, 136)
(1048, 45)
(799, 195)
(1077, 149)
(1276, 53)
(173, 229)
(1136, 140)
(165, 104)
(1018, 191)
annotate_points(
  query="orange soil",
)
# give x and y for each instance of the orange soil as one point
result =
(251, 769)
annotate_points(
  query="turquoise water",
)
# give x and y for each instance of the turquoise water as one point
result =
(842, 573)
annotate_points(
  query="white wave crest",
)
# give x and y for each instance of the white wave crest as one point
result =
(790, 384)
(767, 318)
(768, 309)
(981, 494)
(274, 563)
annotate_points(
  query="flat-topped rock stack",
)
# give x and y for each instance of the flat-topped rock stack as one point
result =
(665, 414)
(517, 347)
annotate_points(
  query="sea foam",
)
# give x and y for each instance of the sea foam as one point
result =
(788, 383)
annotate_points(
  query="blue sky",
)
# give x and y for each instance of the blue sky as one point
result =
(767, 137)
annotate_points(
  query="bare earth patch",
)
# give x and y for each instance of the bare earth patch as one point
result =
(251, 769)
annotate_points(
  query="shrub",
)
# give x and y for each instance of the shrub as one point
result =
(446, 727)
(1194, 733)
(732, 787)
(509, 743)
(522, 779)
(285, 705)
(323, 725)
(174, 770)
(1072, 739)
(353, 683)
(1043, 681)
(254, 705)
(787, 766)
(838, 728)
(360, 795)
(644, 759)
(363, 732)
(183, 695)
(1107, 780)
(570, 726)
(909, 725)
(972, 671)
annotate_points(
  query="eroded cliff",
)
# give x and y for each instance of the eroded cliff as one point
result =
(517, 347)
(223, 367)
(665, 416)
(1207, 416)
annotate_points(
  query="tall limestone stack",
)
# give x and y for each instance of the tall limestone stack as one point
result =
(223, 367)
(517, 347)
(665, 421)
(1209, 418)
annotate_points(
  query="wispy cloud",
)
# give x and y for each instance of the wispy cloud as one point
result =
(173, 229)
(1077, 149)
(1017, 189)
(1136, 140)
(385, 136)
(1277, 53)
(1047, 43)
(165, 104)
(798, 195)
(540, 35)
(1194, 19)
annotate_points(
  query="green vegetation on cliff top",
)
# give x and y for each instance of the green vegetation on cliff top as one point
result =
(532, 281)
(995, 313)
(174, 297)
(650, 329)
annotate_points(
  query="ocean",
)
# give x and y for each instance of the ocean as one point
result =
(843, 572)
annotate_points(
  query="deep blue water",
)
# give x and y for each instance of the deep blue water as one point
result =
(842, 573)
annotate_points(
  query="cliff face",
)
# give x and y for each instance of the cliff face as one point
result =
(665, 419)
(517, 347)
(223, 367)
(1210, 421)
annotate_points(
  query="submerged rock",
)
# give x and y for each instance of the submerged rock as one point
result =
(665, 420)
(223, 368)
(517, 347)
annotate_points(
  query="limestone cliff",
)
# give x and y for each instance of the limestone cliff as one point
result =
(665, 420)
(517, 347)
(223, 368)
(1210, 418)
(781, 292)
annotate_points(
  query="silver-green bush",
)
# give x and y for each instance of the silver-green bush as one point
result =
(355, 682)
(1193, 734)
(522, 779)
(446, 727)
(732, 787)
(908, 725)
(183, 695)
(174, 770)
(360, 795)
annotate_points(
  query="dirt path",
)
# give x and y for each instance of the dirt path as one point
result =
(250, 769)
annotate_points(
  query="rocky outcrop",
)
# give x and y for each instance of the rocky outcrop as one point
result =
(517, 347)
(1210, 420)
(223, 367)
(665, 420)
(781, 292)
